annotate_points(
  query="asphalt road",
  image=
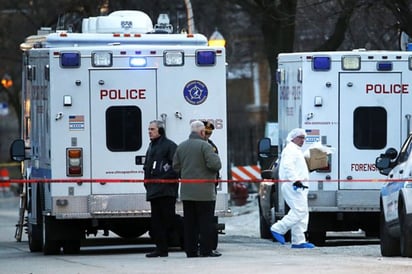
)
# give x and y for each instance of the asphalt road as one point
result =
(243, 252)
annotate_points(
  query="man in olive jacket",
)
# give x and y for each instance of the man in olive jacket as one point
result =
(162, 195)
(195, 160)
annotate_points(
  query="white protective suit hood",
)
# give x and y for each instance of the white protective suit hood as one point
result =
(295, 133)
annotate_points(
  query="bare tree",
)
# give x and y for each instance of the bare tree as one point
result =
(401, 9)
(276, 20)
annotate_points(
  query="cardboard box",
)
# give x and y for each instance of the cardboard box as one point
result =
(318, 159)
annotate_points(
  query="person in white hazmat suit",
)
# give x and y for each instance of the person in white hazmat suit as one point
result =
(294, 172)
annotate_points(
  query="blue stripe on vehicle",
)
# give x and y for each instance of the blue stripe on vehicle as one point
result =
(392, 187)
(41, 173)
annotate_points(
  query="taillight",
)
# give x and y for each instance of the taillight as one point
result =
(74, 162)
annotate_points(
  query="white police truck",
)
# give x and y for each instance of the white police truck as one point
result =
(356, 102)
(396, 201)
(87, 101)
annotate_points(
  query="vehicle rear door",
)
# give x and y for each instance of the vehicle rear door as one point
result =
(123, 101)
(369, 115)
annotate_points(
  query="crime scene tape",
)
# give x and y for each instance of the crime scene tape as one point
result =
(192, 181)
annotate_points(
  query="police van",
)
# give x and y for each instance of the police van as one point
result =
(358, 104)
(87, 101)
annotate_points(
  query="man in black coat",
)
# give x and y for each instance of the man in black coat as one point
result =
(162, 195)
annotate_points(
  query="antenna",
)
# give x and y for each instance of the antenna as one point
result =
(60, 22)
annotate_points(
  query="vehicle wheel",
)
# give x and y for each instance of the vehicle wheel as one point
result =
(405, 222)
(50, 246)
(35, 237)
(264, 229)
(215, 239)
(35, 231)
(264, 226)
(131, 230)
(390, 246)
(176, 235)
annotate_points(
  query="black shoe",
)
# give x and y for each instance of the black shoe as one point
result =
(155, 254)
(212, 254)
(191, 255)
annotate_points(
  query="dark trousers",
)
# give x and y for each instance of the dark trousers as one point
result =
(199, 227)
(162, 221)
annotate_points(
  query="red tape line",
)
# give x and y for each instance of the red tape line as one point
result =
(190, 181)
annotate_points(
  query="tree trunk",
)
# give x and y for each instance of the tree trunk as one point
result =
(278, 28)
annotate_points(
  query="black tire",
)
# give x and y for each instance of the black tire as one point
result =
(390, 246)
(51, 246)
(35, 237)
(405, 222)
(215, 239)
(264, 226)
(131, 229)
(35, 231)
(176, 235)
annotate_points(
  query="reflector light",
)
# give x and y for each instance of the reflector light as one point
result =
(137, 62)
(206, 58)
(102, 59)
(74, 162)
(70, 59)
(321, 63)
(74, 153)
(173, 58)
(384, 66)
(75, 171)
(351, 62)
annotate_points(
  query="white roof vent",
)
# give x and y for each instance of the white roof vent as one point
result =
(124, 21)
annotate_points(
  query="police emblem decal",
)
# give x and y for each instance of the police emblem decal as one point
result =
(195, 92)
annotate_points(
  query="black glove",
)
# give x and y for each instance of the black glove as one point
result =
(298, 184)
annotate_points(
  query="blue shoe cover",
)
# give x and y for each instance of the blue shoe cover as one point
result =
(278, 237)
(303, 245)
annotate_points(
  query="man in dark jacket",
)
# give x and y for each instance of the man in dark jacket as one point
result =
(196, 160)
(162, 195)
(209, 127)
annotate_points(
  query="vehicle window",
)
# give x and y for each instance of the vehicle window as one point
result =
(369, 127)
(123, 128)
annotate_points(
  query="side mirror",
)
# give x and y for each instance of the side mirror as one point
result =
(391, 153)
(264, 148)
(18, 150)
(266, 154)
(382, 162)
